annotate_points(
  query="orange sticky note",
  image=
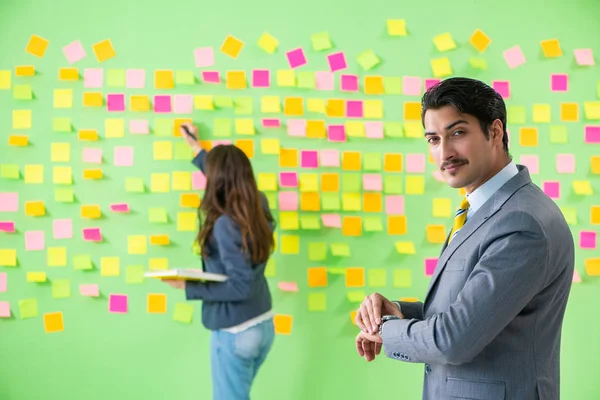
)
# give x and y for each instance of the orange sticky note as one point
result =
(236, 80)
(352, 226)
(355, 277)
(68, 74)
(247, 146)
(335, 108)
(372, 202)
(156, 303)
(232, 46)
(528, 137)
(551, 48)
(569, 112)
(92, 173)
(35, 208)
(53, 322)
(139, 103)
(288, 158)
(351, 161)
(25, 70)
(37, 46)
(18, 140)
(283, 324)
(88, 134)
(595, 215)
(392, 162)
(412, 111)
(104, 50)
(317, 277)
(92, 99)
(316, 129)
(309, 201)
(595, 165)
(480, 40)
(592, 266)
(160, 240)
(436, 233)
(164, 79)
(374, 85)
(396, 224)
(191, 200)
(293, 106)
(177, 122)
(91, 211)
(330, 182)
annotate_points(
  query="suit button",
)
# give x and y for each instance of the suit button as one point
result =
(427, 369)
(395, 354)
(407, 358)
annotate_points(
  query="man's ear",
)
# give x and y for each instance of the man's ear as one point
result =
(497, 130)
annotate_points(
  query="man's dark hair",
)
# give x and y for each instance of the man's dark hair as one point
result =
(468, 96)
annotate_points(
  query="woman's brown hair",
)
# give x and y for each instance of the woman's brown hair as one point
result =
(231, 190)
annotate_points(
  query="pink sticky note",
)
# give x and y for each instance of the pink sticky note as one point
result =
(90, 290)
(3, 282)
(7, 226)
(329, 158)
(559, 82)
(183, 103)
(271, 123)
(211, 77)
(288, 179)
(309, 159)
(261, 78)
(372, 182)
(514, 57)
(91, 155)
(4, 309)
(162, 104)
(331, 220)
(374, 129)
(552, 189)
(34, 240)
(349, 83)
(415, 163)
(296, 58)
(92, 234)
(354, 108)
(565, 163)
(584, 57)
(324, 80)
(337, 61)
(9, 202)
(430, 264)
(74, 52)
(62, 229)
(204, 57)
(587, 239)
(93, 77)
(296, 127)
(120, 207)
(502, 87)
(336, 133)
(139, 127)
(135, 78)
(123, 156)
(394, 205)
(429, 83)
(576, 277)
(288, 201)
(592, 134)
(117, 303)
(411, 85)
(115, 102)
(532, 162)
(218, 142)
(198, 180)
(288, 286)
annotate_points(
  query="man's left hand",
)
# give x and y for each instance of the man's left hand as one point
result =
(368, 346)
(175, 283)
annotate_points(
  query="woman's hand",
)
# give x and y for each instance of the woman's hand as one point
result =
(175, 283)
(191, 141)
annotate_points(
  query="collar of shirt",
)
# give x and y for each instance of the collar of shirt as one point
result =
(487, 190)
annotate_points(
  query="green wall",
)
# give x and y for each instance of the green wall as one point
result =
(101, 355)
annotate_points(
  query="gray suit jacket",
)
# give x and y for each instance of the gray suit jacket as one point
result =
(490, 325)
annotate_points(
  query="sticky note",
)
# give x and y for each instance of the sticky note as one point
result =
(9, 171)
(34, 208)
(184, 77)
(37, 277)
(514, 57)
(5, 79)
(402, 278)
(64, 195)
(82, 262)
(317, 301)
(8, 257)
(156, 303)
(340, 249)
(283, 324)
(21, 119)
(286, 78)
(22, 92)
(18, 140)
(34, 240)
(68, 74)
(89, 290)
(61, 288)
(478, 63)
(7, 226)
(136, 244)
(74, 52)
(317, 251)
(92, 99)
(559, 82)
(552, 189)
(528, 137)
(582, 188)
(232, 46)
(587, 239)
(92, 234)
(368, 60)
(110, 266)
(415, 184)
(444, 42)
(117, 303)
(321, 41)
(93, 77)
(355, 277)
(396, 224)
(61, 124)
(405, 247)
(396, 27)
(551, 48)
(430, 264)
(565, 163)
(63, 98)
(349, 83)
(4, 309)
(441, 67)
(134, 274)
(480, 40)
(56, 257)
(584, 57)
(592, 134)
(592, 110)
(332, 220)
(37, 46)
(436, 233)
(268, 42)
(104, 50)
(28, 308)
(290, 244)
(186, 221)
(90, 211)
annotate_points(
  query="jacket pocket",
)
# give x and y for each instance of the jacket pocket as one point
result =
(457, 264)
(464, 389)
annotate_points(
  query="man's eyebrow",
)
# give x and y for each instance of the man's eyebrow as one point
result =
(452, 125)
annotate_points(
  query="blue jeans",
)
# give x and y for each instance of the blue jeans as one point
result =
(236, 358)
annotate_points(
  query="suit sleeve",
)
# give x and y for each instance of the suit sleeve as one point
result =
(510, 271)
(199, 160)
(410, 310)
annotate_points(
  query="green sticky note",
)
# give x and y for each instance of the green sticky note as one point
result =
(158, 215)
(222, 127)
(163, 126)
(336, 270)
(22, 92)
(183, 313)
(61, 288)
(372, 162)
(134, 274)
(368, 60)
(134, 185)
(9, 171)
(570, 214)
(185, 77)
(351, 182)
(182, 152)
(82, 262)
(402, 278)
(115, 78)
(372, 224)
(317, 251)
(223, 101)
(272, 199)
(392, 84)
(317, 301)
(559, 134)
(61, 124)
(64, 195)
(516, 114)
(377, 277)
(392, 184)
(270, 268)
(340, 249)
(28, 308)
(321, 41)
(243, 106)
(393, 129)
(306, 80)
(478, 63)
(355, 296)
(310, 222)
(330, 201)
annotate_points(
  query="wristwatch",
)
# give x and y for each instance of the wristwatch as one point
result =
(384, 319)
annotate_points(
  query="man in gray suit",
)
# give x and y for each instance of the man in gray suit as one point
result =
(490, 325)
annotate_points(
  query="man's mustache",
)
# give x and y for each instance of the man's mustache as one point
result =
(453, 163)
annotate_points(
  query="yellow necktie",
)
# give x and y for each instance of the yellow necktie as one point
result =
(460, 218)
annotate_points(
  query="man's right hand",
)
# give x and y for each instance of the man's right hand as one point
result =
(368, 315)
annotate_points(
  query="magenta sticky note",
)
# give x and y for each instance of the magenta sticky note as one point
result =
(372, 182)
(139, 127)
(514, 57)
(415, 163)
(431, 82)
(91, 155)
(559, 82)
(120, 207)
(336, 133)
(532, 163)
(565, 163)
(430, 264)
(349, 83)
(331, 220)
(261, 78)
(9, 202)
(183, 103)
(4, 309)
(329, 158)
(115, 102)
(90, 290)
(271, 123)
(337, 61)
(211, 77)
(135, 78)
(198, 180)
(502, 87)
(584, 57)
(288, 286)
(592, 134)
(288, 179)
(117, 303)
(123, 156)
(34, 240)
(296, 127)
(587, 239)
(162, 104)
(288, 201)
(411, 85)
(394, 205)
(324, 80)
(204, 56)
(552, 189)
(309, 159)
(374, 129)
(92, 234)
(354, 108)
(296, 58)
(3, 282)
(7, 226)
(93, 77)
(74, 52)
(62, 229)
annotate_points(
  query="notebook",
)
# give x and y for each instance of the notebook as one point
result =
(186, 274)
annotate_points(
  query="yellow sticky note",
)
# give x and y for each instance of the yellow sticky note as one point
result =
(591, 110)
(189, 200)
(355, 277)
(288, 158)
(442, 208)
(57, 257)
(289, 221)
(37, 46)
(186, 221)
(396, 27)
(68, 74)
(412, 111)
(583, 188)
(181, 180)
(595, 165)
(163, 150)
(244, 126)
(528, 137)
(268, 43)
(441, 67)
(569, 112)
(60, 152)
(444, 42)
(63, 98)
(113, 128)
(405, 248)
(415, 184)
(355, 129)
(34, 174)
(290, 244)
(35, 208)
(159, 240)
(104, 50)
(309, 182)
(592, 266)
(270, 146)
(8, 257)
(236, 80)
(110, 266)
(293, 106)
(204, 102)
(286, 78)
(164, 79)
(267, 182)
(551, 48)
(136, 244)
(91, 211)
(5, 80)
(373, 109)
(159, 183)
(25, 70)
(336, 108)
(21, 119)
(18, 140)
(88, 135)
(373, 85)
(232, 46)
(139, 103)
(92, 99)
(316, 106)
(541, 113)
(158, 264)
(595, 215)
(351, 201)
(480, 40)
(36, 277)
(436, 233)
(270, 104)
(316, 129)
(92, 173)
